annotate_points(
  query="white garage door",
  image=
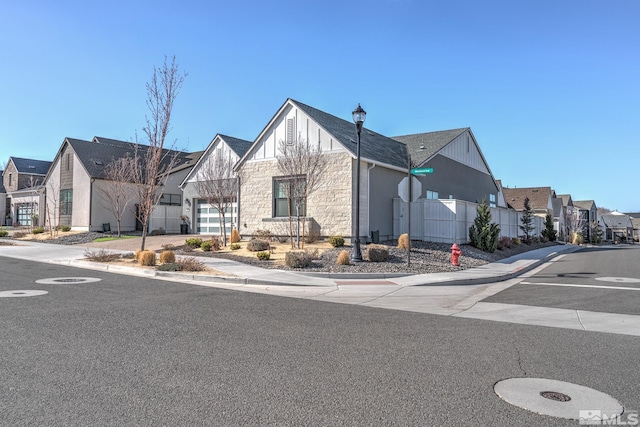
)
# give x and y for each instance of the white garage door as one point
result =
(208, 220)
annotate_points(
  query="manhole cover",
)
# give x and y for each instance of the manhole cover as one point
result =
(554, 395)
(59, 280)
(618, 279)
(18, 294)
(556, 398)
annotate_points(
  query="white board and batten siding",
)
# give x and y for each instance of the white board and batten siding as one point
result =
(293, 125)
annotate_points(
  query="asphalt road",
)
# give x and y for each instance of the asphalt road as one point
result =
(134, 351)
(603, 279)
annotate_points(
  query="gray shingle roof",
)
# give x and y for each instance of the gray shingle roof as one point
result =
(96, 154)
(616, 221)
(373, 146)
(31, 166)
(239, 146)
(584, 204)
(423, 146)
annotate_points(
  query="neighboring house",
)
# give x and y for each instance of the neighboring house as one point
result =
(331, 208)
(204, 217)
(502, 203)
(3, 202)
(22, 180)
(617, 227)
(76, 183)
(567, 205)
(540, 199)
(559, 217)
(635, 221)
(460, 170)
(587, 211)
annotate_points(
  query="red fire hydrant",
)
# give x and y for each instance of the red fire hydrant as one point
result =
(455, 254)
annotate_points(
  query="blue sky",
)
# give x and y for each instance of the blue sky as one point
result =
(550, 89)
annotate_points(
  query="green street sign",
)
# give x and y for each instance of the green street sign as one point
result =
(421, 171)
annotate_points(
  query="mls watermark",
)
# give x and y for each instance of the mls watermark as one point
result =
(596, 417)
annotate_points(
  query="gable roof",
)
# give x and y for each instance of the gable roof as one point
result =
(538, 197)
(423, 146)
(566, 199)
(373, 146)
(237, 145)
(616, 221)
(584, 204)
(557, 204)
(30, 166)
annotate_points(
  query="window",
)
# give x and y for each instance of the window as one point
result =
(66, 202)
(432, 194)
(68, 161)
(492, 200)
(10, 179)
(171, 199)
(282, 187)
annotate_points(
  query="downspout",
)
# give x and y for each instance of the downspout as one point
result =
(373, 165)
(91, 201)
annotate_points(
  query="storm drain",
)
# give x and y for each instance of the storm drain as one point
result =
(60, 280)
(18, 294)
(557, 398)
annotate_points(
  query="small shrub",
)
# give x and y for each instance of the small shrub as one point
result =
(235, 246)
(4, 233)
(264, 234)
(160, 232)
(147, 258)
(169, 267)
(263, 255)
(344, 258)
(577, 239)
(336, 241)
(167, 246)
(37, 230)
(505, 243)
(193, 242)
(19, 234)
(101, 255)
(206, 246)
(378, 253)
(190, 264)
(256, 245)
(297, 259)
(65, 228)
(216, 245)
(516, 241)
(167, 257)
(235, 236)
(403, 242)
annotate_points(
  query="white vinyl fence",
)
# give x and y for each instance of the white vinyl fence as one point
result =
(448, 221)
(166, 217)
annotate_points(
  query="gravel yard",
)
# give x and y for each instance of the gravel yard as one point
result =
(426, 257)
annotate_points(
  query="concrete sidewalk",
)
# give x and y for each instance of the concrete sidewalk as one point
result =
(457, 293)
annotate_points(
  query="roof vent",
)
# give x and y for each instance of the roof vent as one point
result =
(98, 162)
(422, 146)
(370, 133)
(351, 139)
(31, 167)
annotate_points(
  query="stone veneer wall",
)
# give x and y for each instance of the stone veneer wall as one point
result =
(329, 205)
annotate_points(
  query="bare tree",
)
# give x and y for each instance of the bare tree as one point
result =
(303, 165)
(151, 164)
(52, 193)
(117, 191)
(218, 185)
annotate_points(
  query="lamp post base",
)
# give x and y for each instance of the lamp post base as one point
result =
(356, 255)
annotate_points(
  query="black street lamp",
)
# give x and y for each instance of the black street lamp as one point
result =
(358, 118)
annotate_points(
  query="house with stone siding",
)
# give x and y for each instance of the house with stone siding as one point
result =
(461, 172)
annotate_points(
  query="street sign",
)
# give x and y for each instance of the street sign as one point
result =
(403, 189)
(421, 171)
